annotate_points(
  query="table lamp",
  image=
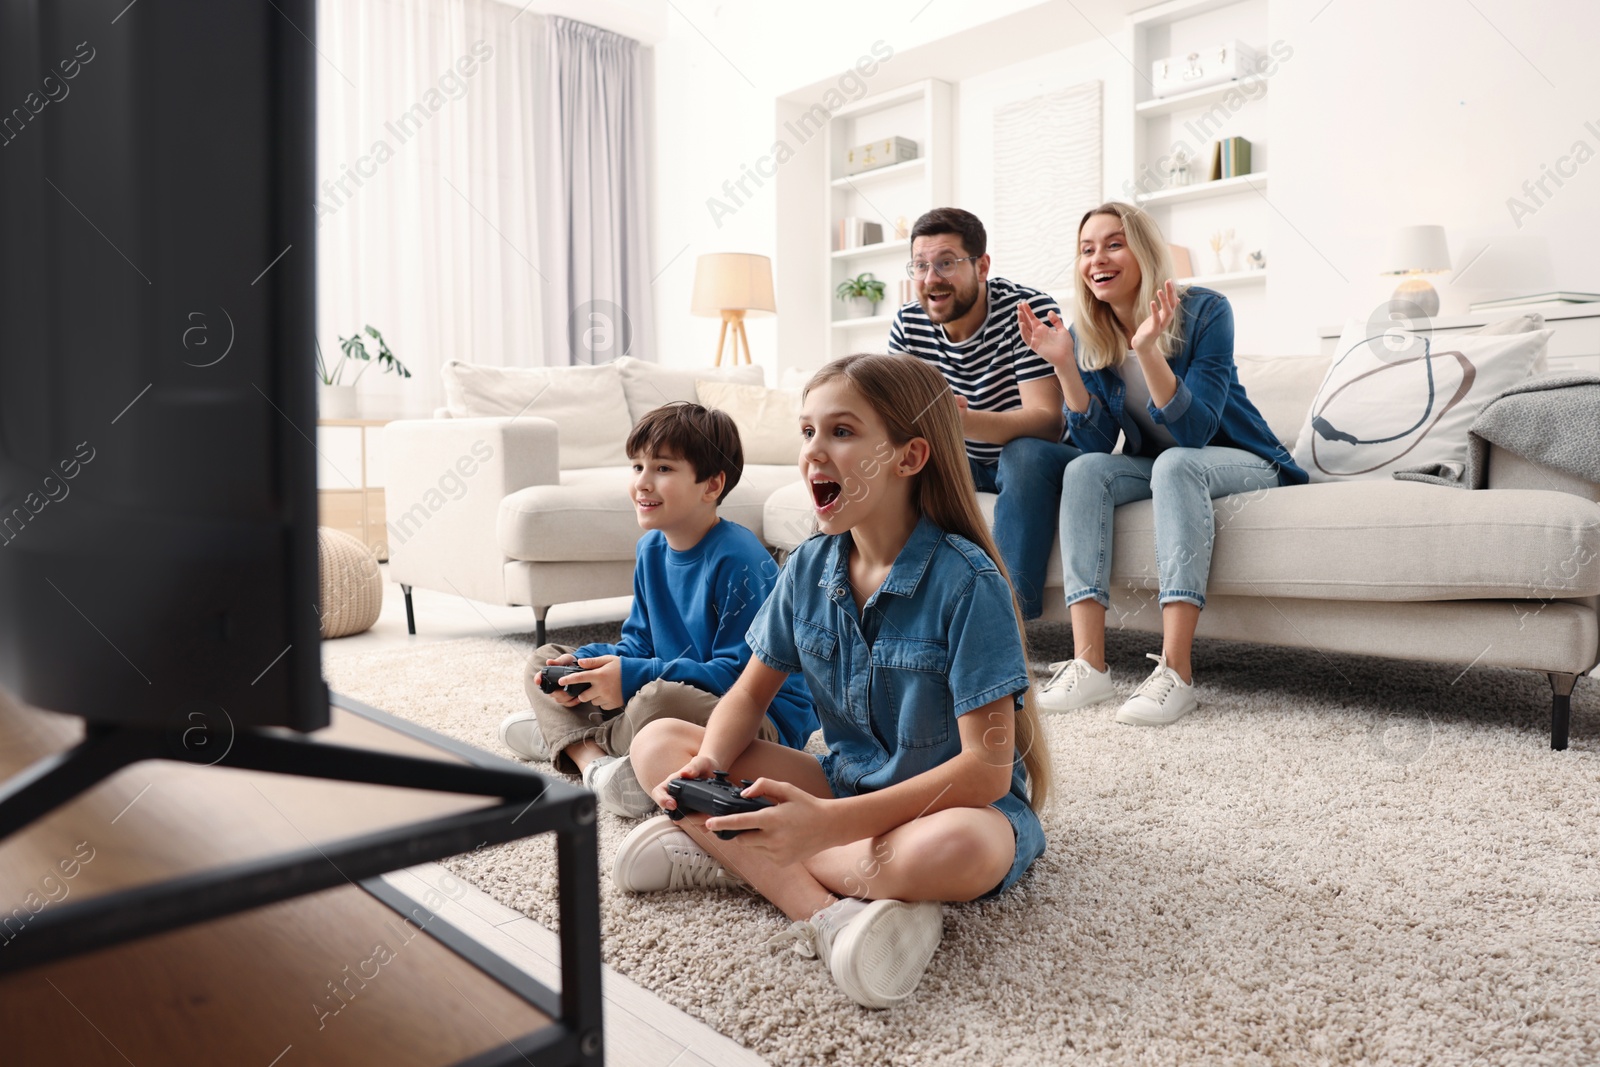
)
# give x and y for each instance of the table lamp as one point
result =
(732, 285)
(1416, 251)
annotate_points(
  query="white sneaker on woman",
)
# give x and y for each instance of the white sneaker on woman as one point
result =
(657, 856)
(1074, 684)
(1163, 698)
(876, 950)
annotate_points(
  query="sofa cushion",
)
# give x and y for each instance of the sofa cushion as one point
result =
(1393, 400)
(768, 419)
(587, 405)
(1282, 388)
(1352, 540)
(649, 385)
(589, 517)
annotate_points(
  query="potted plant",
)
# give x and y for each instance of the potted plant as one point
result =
(864, 291)
(336, 398)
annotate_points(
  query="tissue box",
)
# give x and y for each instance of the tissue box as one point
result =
(879, 153)
(1225, 62)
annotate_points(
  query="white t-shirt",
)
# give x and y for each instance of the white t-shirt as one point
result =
(1156, 437)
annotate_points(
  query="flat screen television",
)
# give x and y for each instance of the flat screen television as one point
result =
(158, 553)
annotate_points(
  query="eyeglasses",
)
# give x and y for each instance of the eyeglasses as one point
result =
(918, 269)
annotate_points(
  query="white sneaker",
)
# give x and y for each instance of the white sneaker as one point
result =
(1073, 685)
(876, 950)
(613, 780)
(1163, 698)
(657, 856)
(520, 732)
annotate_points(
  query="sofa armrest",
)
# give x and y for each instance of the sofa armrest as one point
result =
(1507, 470)
(445, 482)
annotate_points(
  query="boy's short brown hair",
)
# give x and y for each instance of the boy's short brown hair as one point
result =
(705, 438)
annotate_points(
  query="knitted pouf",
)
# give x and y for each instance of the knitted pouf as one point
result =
(352, 586)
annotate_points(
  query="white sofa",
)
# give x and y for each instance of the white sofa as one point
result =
(1505, 577)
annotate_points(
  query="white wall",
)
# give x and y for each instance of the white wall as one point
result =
(720, 74)
(1428, 111)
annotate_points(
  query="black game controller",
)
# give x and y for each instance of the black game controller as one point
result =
(713, 796)
(550, 679)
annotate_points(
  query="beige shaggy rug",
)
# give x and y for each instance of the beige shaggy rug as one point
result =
(1335, 860)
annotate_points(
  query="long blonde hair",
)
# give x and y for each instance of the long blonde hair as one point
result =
(914, 400)
(1100, 340)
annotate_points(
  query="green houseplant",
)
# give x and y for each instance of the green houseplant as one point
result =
(337, 398)
(865, 289)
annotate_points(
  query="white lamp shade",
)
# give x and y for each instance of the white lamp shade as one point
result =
(732, 281)
(1418, 250)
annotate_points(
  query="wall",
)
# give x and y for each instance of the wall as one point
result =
(726, 81)
(1386, 114)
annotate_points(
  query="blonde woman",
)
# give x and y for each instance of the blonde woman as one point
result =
(901, 619)
(1153, 363)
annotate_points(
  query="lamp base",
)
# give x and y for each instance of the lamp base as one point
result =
(735, 318)
(1418, 292)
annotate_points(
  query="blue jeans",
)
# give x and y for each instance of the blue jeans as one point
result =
(1182, 482)
(1028, 482)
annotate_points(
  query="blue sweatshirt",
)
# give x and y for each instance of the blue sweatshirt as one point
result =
(1209, 408)
(690, 613)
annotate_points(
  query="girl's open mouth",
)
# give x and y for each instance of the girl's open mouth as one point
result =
(825, 494)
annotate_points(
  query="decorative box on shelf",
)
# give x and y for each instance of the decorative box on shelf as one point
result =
(879, 153)
(1228, 61)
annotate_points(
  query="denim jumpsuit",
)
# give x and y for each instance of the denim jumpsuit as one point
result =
(937, 640)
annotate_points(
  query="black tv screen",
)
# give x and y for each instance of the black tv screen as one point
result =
(158, 549)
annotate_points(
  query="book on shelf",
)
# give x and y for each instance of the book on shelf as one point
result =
(853, 232)
(1235, 156)
(1554, 297)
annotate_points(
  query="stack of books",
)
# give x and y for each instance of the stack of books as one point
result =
(852, 232)
(1536, 300)
(1230, 157)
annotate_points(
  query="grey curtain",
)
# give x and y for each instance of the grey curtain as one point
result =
(594, 222)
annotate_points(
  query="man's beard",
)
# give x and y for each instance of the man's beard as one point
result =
(960, 304)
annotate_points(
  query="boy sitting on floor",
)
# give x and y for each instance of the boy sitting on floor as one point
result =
(698, 582)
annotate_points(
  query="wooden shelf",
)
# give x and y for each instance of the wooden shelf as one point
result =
(1195, 98)
(910, 168)
(1244, 183)
(1232, 277)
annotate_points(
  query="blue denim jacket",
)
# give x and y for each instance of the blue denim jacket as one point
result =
(1210, 406)
(937, 640)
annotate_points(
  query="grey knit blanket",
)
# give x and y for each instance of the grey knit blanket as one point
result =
(1553, 420)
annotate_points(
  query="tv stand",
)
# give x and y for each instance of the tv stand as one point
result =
(481, 800)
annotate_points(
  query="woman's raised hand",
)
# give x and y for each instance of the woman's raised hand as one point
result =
(1051, 340)
(1162, 309)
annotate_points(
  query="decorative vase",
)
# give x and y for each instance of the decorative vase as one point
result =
(336, 401)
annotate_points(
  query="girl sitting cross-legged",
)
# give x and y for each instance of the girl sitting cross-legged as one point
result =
(901, 619)
(1155, 364)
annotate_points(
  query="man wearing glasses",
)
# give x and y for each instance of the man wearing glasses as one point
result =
(965, 323)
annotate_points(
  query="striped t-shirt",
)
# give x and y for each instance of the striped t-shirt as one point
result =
(986, 367)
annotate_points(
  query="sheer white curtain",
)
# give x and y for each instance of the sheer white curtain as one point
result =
(594, 191)
(428, 140)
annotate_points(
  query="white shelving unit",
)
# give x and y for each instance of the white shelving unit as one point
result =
(1189, 214)
(1205, 190)
(891, 195)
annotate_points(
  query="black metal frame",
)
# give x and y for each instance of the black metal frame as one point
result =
(532, 805)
